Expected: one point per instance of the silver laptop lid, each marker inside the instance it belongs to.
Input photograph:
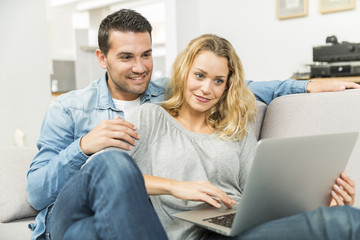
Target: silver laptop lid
(292, 175)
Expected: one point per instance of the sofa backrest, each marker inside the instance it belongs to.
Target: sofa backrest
(317, 113)
(261, 111)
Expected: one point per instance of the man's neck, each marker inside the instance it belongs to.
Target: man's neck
(119, 94)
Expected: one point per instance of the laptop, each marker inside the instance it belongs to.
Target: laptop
(288, 176)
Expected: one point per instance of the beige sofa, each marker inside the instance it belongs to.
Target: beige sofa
(292, 115)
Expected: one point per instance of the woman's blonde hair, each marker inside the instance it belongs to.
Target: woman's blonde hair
(236, 107)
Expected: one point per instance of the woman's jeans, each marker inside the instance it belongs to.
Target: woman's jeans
(107, 199)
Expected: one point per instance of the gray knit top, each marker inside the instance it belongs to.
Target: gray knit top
(166, 149)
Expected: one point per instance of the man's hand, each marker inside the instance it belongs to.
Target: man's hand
(330, 86)
(109, 133)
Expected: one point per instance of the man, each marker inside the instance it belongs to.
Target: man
(85, 121)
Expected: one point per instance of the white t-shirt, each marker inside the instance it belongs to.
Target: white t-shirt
(127, 106)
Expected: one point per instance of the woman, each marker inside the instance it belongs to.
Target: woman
(199, 134)
(193, 150)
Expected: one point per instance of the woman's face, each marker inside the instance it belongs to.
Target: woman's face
(206, 81)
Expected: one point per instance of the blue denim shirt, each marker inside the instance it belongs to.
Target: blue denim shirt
(266, 91)
(75, 114)
(70, 117)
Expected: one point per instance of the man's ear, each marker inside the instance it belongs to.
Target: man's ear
(101, 58)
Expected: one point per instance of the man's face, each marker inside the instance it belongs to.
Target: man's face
(129, 64)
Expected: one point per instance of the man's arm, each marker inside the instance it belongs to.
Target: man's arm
(266, 91)
(330, 86)
(59, 158)
(61, 155)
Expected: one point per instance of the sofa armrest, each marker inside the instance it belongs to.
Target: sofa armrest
(14, 164)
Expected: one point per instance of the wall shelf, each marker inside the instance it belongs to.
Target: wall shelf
(88, 48)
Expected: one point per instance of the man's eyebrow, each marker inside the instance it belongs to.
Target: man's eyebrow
(148, 51)
(130, 53)
(124, 53)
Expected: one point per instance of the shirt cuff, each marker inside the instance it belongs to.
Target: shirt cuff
(77, 158)
(300, 86)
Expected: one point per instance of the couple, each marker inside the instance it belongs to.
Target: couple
(206, 117)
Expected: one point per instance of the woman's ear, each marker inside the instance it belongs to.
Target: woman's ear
(101, 58)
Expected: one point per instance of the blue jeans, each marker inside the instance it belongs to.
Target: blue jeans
(324, 223)
(107, 199)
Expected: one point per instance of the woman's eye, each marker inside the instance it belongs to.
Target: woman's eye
(219, 81)
(199, 75)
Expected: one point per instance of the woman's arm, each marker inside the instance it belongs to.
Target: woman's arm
(343, 192)
(194, 191)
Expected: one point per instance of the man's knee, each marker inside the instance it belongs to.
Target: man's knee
(114, 163)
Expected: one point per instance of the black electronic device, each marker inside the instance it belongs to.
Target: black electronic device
(336, 52)
(334, 70)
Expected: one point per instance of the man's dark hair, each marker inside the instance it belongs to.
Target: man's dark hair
(124, 20)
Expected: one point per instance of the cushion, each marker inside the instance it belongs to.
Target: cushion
(14, 164)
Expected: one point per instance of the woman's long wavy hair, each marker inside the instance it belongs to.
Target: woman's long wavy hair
(236, 107)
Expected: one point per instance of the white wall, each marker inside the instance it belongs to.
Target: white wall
(269, 48)
(24, 74)
(61, 33)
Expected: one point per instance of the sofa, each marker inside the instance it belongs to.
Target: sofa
(286, 116)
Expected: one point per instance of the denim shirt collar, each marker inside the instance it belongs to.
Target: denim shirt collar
(105, 101)
(151, 92)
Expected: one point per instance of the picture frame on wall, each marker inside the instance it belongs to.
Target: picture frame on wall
(286, 9)
(329, 6)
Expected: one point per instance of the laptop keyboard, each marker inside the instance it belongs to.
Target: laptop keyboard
(223, 220)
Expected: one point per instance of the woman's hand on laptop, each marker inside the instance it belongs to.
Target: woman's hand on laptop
(201, 191)
(343, 192)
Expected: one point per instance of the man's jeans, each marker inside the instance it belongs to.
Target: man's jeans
(107, 199)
